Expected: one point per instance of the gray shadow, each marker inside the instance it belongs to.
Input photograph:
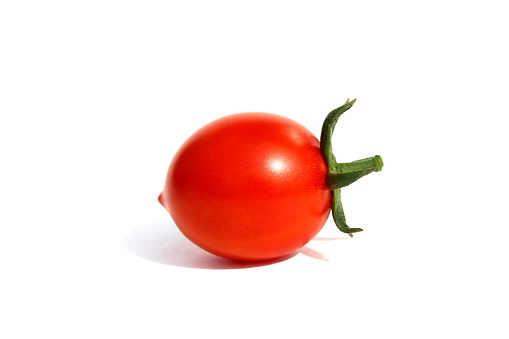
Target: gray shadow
(163, 243)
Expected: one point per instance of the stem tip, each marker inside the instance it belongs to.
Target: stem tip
(379, 163)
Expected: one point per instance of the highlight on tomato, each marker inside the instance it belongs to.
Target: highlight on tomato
(258, 186)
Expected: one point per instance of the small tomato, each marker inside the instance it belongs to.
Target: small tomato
(257, 186)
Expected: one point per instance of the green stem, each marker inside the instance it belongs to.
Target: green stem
(352, 171)
(343, 174)
(373, 163)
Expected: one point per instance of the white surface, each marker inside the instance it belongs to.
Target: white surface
(96, 96)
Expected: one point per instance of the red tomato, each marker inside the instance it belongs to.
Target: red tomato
(249, 186)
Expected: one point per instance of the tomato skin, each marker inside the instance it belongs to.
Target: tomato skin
(249, 186)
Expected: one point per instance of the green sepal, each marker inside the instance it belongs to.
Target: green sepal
(343, 174)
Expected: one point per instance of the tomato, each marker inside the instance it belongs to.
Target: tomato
(249, 186)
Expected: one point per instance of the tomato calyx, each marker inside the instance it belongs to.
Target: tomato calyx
(343, 174)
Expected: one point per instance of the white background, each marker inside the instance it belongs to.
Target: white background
(96, 96)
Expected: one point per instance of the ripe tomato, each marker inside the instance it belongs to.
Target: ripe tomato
(249, 186)
(257, 186)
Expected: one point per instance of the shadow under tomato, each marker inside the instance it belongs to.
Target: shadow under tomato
(163, 243)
